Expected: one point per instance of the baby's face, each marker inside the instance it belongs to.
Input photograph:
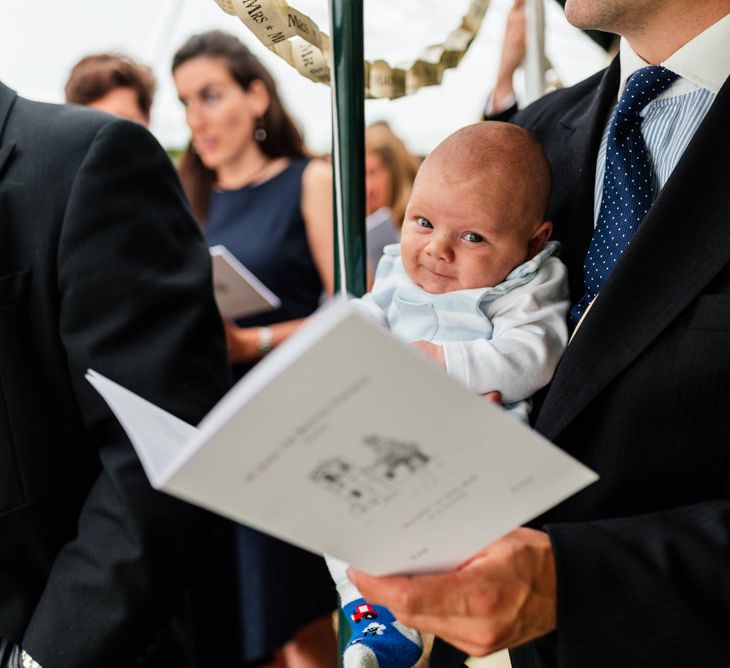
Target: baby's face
(458, 236)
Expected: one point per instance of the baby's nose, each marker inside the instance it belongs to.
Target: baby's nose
(440, 247)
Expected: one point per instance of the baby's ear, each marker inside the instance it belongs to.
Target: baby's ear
(538, 239)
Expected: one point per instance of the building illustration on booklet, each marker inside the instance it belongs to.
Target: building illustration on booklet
(364, 487)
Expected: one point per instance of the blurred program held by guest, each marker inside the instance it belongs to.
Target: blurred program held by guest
(255, 190)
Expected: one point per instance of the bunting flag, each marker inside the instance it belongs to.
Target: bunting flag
(298, 40)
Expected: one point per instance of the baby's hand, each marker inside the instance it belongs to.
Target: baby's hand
(432, 350)
(495, 396)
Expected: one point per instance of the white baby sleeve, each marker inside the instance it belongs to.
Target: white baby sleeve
(529, 336)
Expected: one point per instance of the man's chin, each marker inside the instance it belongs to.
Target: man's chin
(579, 14)
(605, 15)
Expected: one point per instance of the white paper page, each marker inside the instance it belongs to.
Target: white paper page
(303, 449)
(237, 291)
(156, 435)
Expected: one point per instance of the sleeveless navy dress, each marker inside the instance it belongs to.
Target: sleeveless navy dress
(278, 587)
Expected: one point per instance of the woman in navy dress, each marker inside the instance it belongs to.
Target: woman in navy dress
(254, 189)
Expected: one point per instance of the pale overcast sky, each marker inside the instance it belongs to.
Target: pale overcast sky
(41, 39)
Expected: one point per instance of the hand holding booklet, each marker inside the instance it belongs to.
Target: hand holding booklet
(345, 440)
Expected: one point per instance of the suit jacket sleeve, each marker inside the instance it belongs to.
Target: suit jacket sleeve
(647, 590)
(135, 300)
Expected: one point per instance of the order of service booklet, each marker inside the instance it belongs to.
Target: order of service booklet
(237, 291)
(346, 441)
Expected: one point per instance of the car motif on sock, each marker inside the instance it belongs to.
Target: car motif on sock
(363, 611)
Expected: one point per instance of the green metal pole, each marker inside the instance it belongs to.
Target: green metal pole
(348, 165)
(348, 150)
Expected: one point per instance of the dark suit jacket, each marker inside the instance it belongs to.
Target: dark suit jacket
(101, 266)
(641, 396)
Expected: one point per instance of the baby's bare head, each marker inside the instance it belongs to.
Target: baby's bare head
(477, 209)
(502, 164)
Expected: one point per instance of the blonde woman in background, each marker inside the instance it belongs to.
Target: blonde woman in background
(389, 173)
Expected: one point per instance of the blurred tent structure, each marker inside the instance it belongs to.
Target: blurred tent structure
(39, 42)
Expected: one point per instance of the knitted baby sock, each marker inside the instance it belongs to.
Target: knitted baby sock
(378, 639)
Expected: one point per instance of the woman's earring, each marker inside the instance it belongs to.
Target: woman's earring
(259, 133)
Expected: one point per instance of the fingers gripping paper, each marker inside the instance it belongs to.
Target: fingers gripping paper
(294, 37)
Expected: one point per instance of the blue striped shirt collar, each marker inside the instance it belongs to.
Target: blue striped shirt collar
(704, 62)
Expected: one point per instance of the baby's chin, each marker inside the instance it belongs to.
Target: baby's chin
(437, 285)
(437, 290)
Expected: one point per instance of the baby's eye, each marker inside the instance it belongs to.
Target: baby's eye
(472, 237)
(424, 222)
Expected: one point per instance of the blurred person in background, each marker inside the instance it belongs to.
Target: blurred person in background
(502, 101)
(389, 173)
(114, 83)
(255, 190)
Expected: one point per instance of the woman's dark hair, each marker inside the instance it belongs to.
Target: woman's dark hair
(283, 139)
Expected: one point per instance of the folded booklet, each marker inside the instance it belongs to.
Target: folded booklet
(237, 291)
(345, 440)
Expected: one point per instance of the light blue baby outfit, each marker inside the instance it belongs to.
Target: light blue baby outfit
(507, 338)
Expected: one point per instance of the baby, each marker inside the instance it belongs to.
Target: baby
(476, 285)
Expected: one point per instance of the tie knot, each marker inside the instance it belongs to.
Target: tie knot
(643, 86)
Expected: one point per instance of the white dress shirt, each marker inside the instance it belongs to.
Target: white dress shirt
(670, 121)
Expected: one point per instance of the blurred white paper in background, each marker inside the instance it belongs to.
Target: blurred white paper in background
(238, 292)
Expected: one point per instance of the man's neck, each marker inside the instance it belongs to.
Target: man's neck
(672, 27)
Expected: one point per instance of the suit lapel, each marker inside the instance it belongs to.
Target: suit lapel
(573, 162)
(681, 245)
(6, 150)
(7, 99)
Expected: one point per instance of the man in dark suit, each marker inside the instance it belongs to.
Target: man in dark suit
(634, 570)
(101, 266)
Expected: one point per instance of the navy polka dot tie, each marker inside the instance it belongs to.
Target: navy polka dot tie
(628, 182)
